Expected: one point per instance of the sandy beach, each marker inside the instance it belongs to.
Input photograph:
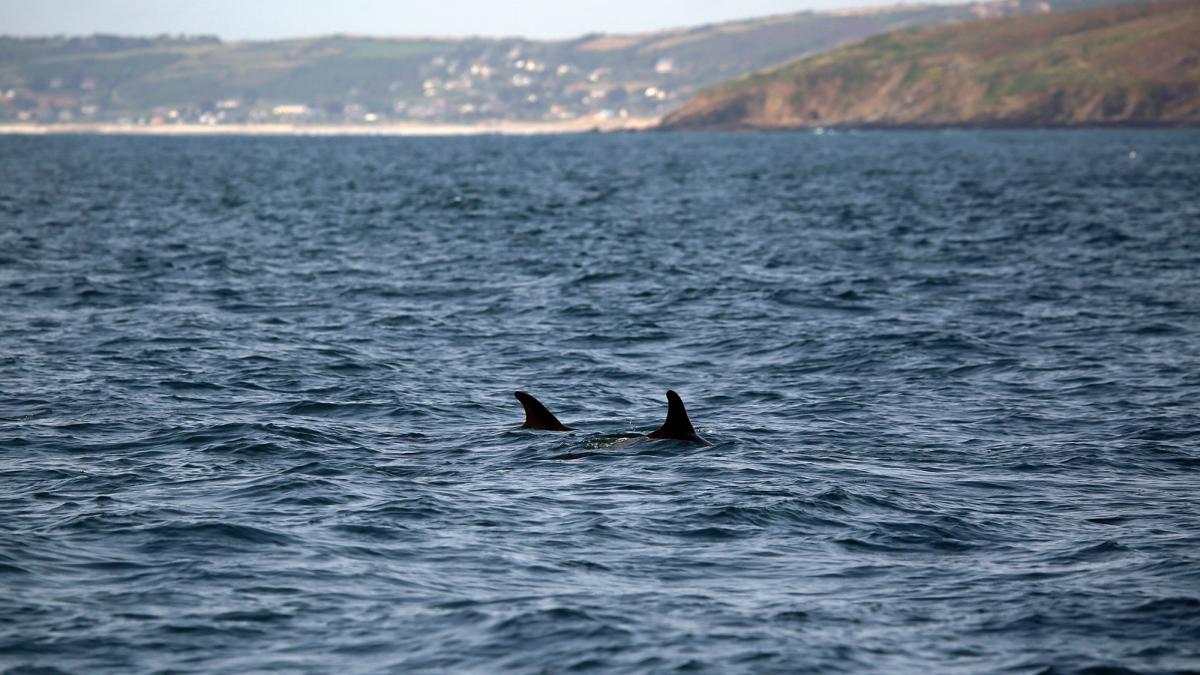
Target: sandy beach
(505, 127)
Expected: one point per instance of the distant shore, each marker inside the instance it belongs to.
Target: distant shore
(512, 128)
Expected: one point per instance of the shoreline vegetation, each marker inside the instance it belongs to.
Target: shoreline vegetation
(505, 128)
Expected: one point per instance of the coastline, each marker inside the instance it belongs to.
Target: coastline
(499, 127)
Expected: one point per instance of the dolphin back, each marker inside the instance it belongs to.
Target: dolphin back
(677, 427)
(537, 416)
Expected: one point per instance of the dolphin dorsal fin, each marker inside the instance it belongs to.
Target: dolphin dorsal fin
(537, 416)
(678, 426)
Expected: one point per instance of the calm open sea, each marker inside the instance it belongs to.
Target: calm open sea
(256, 404)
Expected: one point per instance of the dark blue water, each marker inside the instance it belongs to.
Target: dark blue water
(256, 408)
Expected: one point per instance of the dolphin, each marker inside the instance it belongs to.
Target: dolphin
(537, 416)
(677, 427)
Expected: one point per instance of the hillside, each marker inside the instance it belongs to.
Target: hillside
(341, 79)
(1129, 64)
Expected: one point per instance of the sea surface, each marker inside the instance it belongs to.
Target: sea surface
(256, 406)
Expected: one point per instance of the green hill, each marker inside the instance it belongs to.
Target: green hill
(1129, 64)
(340, 78)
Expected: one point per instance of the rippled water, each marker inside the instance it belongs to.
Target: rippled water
(256, 403)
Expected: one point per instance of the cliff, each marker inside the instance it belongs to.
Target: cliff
(1129, 64)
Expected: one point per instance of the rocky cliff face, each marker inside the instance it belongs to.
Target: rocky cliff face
(1129, 64)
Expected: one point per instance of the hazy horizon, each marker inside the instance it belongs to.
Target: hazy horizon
(280, 19)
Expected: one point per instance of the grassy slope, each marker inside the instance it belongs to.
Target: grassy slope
(1137, 64)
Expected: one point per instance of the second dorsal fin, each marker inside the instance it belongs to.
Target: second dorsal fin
(677, 427)
(537, 416)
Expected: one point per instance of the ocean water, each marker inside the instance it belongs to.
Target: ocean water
(256, 406)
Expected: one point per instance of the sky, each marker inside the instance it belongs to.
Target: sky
(270, 19)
